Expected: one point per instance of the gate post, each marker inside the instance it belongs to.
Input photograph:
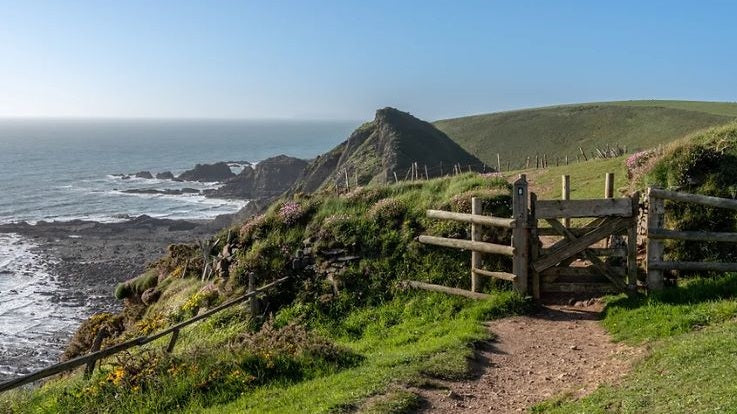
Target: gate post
(520, 234)
(475, 256)
(655, 220)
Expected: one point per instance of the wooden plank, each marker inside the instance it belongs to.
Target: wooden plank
(468, 245)
(708, 236)
(499, 275)
(475, 236)
(445, 289)
(534, 246)
(655, 247)
(520, 234)
(632, 244)
(553, 273)
(620, 207)
(577, 231)
(695, 266)
(595, 261)
(599, 251)
(472, 218)
(578, 288)
(609, 226)
(566, 195)
(693, 198)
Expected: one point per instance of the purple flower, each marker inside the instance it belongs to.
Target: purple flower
(290, 213)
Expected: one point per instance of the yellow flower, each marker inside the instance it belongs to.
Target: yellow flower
(116, 377)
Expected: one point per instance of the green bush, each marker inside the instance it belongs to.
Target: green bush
(706, 164)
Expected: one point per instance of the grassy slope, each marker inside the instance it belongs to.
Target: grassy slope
(399, 339)
(559, 131)
(406, 341)
(587, 178)
(691, 331)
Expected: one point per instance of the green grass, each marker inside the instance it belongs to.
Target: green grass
(691, 332)
(403, 341)
(587, 179)
(413, 337)
(560, 130)
(716, 108)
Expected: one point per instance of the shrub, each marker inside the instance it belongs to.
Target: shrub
(290, 213)
(387, 210)
(204, 298)
(83, 339)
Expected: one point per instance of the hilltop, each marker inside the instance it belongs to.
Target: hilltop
(559, 131)
(387, 146)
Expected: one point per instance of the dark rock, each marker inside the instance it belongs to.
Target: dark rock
(144, 174)
(150, 295)
(166, 175)
(207, 173)
(269, 178)
(164, 192)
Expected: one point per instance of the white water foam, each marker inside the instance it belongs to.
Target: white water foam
(33, 325)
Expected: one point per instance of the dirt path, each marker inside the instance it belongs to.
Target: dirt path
(561, 349)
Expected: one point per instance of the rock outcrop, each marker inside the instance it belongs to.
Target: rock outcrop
(144, 174)
(166, 175)
(269, 178)
(208, 173)
(390, 144)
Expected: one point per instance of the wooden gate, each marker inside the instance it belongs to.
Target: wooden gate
(597, 256)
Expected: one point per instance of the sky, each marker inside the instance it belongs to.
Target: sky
(343, 59)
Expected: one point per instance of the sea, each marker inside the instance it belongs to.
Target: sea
(67, 169)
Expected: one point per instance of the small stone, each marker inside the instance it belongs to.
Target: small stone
(575, 347)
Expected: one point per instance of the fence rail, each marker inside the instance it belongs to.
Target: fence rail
(93, 357)
(656, 234)
(473, 218)
(475, 246)
(518, 250)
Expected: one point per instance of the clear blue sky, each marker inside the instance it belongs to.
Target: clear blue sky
(344, 59)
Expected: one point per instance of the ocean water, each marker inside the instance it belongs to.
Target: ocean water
(63, 170)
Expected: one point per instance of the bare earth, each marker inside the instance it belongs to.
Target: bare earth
(559, 350)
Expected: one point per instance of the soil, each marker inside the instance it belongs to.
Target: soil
(560, 350)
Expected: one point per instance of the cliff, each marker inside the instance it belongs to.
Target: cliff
(386, 146)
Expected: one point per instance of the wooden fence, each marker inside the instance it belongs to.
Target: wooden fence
(518, 249)
(551, 268)
(656, 233)
(90, 359)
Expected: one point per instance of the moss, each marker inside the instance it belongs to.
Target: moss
(137, 285)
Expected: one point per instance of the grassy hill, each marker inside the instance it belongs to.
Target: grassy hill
(336, 338)
(560, 130)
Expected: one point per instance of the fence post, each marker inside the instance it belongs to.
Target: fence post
(655, 220)
(632, 243)
(609, 186)
(475, 256)
(520, 234)
(172, 341)
(96, 343)
(253, 300)
(566, 195)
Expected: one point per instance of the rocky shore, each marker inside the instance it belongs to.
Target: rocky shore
(84, 261)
